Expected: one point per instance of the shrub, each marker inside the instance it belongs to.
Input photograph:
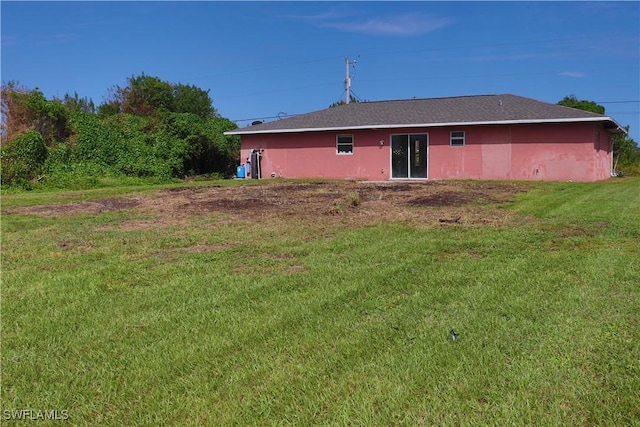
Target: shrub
(13, 172)
(22, 159)
(30, 148)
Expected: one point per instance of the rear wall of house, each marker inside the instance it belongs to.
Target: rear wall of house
(552, 152)
(314, 155)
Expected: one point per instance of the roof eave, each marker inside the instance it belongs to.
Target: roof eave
(421, 125)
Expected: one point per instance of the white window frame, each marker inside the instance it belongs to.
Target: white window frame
(457, 140)
(338, 144)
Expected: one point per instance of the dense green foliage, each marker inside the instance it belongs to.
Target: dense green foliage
(24, 110)
(22, 160)
(149, 129)
(573, 102)
(352, 99)
(626, 154)
(147, 96)
(76, 103)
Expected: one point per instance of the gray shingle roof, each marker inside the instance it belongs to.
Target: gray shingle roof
(463, 110)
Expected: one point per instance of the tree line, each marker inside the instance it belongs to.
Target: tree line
(148, 129)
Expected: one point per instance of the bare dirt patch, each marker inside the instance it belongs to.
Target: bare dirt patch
(75, 208)
(433, 203)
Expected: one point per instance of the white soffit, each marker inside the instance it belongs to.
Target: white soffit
(420, 125)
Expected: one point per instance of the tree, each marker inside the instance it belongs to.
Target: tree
(573, 102)
(191, 99)
(24, 110)
(352, 99)
(208, 149)
(108, 109)
(143, 96)
(149, 96)
(75, 103)
(625, 150)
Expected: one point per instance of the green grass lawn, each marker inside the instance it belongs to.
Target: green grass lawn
(218, 322)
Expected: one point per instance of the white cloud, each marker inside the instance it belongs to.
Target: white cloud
(574, 74)
(60, 38)
(8, 40)
(410, 24)
(400, 25)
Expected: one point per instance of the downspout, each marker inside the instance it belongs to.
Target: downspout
(614, 163)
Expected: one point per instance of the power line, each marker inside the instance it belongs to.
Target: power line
(279, 116)
(379, 53)
(280, 90)
(448, 76)
(616, 102)
(484, 46)
(250, 70)
(355, 95)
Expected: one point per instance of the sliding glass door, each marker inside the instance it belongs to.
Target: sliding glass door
(409, 156)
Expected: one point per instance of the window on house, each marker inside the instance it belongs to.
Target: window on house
(344, 144)
(457, 139)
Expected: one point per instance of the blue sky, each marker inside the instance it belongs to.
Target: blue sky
(267, 59)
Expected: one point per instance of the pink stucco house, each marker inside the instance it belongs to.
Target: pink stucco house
(501, 137)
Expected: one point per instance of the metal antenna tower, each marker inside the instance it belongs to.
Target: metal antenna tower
(347, 80)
